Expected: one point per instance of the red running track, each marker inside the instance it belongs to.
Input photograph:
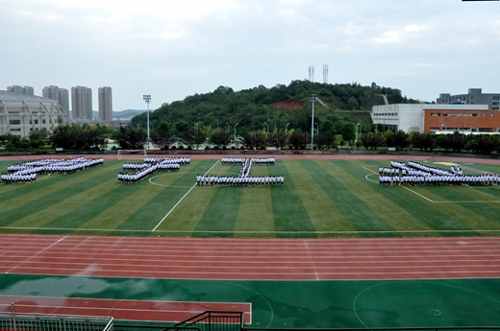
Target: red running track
(254, 259)
(167, 311)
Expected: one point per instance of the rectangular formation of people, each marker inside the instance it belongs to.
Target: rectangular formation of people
(132, 172)
(416, 173)
(27, 172)
(244, 178)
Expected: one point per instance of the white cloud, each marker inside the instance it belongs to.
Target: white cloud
(401, 34)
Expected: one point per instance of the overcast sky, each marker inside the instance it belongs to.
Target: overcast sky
(176, 48)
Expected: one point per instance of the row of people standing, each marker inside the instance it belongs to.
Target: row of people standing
(239, 181)
(480, 180)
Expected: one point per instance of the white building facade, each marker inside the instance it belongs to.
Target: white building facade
(22, 114)
(410, 117)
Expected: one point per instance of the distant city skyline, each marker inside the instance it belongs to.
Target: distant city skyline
(422, 47)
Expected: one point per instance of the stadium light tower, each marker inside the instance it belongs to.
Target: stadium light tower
(147, 100)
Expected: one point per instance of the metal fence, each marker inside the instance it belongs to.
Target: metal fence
(212, 321)
(36, 322)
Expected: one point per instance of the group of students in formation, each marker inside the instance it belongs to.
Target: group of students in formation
(244, 178)
(28, 171)
(415, 173)
(235, 160)
(239, 181)
(149, 166)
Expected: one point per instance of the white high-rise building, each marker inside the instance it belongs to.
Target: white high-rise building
(81, 103)
(58, 94)
(105, 104)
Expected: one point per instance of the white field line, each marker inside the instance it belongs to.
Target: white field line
(420, 195)
(40, 252)
(406, 188)
(247, 232)
(164, 185)
(180, 200)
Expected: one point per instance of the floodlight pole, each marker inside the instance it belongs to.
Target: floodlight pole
(147, 100)
(313, 102)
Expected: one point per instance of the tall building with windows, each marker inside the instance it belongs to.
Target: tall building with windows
(81, 103)
(58, 94)
(474, 96)
(22, 90)
(105, 104)
(21, 114)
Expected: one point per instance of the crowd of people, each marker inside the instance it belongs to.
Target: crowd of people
(244, 178)
(235, 160)
(238, 180)
(416, 173)
(29, 171)
(148, 167)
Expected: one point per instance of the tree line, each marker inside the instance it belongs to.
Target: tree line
(95, 137)
(429, 142)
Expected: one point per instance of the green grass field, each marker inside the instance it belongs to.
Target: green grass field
(319, 199)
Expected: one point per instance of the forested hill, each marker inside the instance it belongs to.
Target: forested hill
(271, 109)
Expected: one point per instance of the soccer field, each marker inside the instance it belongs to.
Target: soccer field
(319, 199)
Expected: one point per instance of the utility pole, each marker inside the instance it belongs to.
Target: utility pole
(313, 103)
(147, 100)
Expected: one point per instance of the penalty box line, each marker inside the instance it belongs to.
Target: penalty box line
(406, 188)
(180, 200)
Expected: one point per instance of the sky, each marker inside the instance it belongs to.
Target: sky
(172, 49)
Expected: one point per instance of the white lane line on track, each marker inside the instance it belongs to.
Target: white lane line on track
(40, 252)
(282, 274)
(491, 275)
(180, 200)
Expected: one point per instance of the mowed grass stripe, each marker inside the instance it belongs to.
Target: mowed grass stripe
(191, 210)
(347, 202)
(4, 165)
(466, 215)
(288, 208)
(74, 184)
(65, 213)
(222, 212)
(16, 194)
(256, 208)
(5, 188)
(323, 213)
(436, 216)
(150, 212)
(107, 196)
(388, 210)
